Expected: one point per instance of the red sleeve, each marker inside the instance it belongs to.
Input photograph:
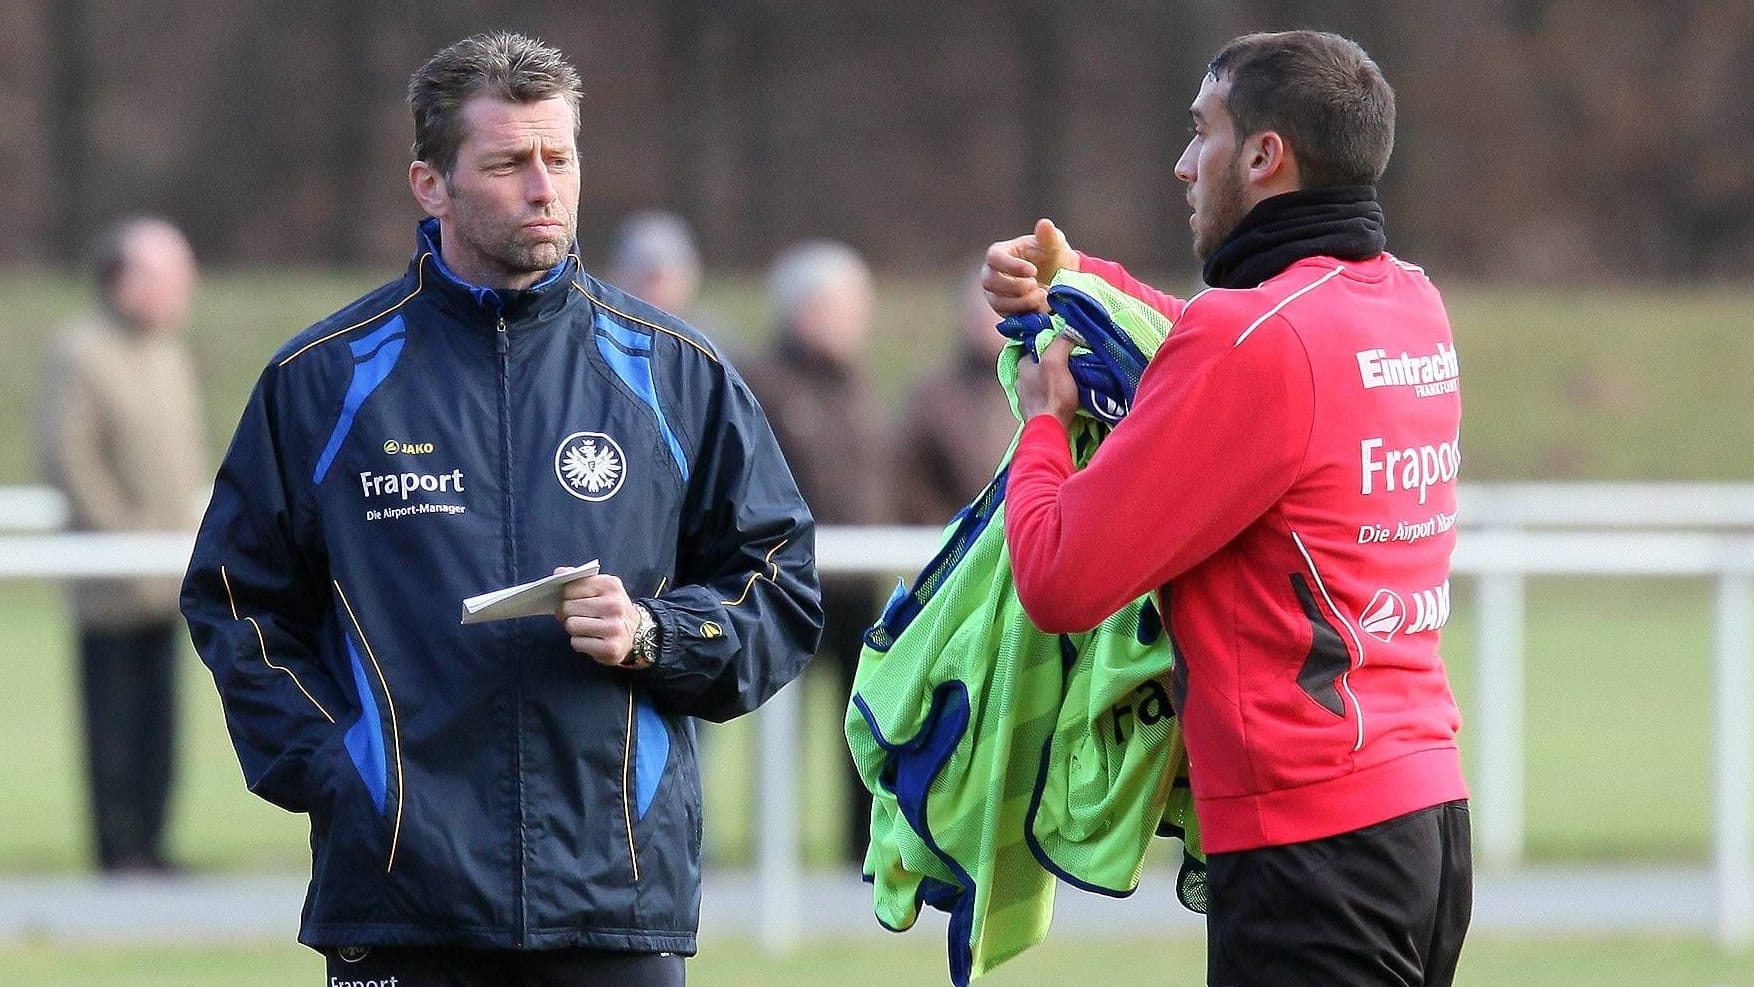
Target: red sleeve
(1217, 434)
(1117, 275)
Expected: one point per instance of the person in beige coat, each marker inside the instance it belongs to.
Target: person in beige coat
(121, 435)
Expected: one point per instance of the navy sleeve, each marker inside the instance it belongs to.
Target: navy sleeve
(255, 600)
(745, 614)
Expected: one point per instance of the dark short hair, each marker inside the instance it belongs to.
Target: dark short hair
(499, 63)
(1319, 91)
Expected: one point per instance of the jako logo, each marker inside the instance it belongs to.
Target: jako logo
(392, 447)
(1387, 612)
(1430, 609)
(590, 466)
(1384, 616)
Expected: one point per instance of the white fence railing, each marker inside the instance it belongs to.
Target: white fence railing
(1510, 532)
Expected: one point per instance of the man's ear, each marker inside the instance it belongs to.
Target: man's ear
(1271, 164)
(430, 189)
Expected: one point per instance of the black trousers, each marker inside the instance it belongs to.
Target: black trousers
(1383, 906)
(434, 966)
(128, 684)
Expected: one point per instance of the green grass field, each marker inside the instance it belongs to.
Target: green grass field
(1486, 962)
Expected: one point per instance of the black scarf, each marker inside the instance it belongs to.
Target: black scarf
(1344, 222)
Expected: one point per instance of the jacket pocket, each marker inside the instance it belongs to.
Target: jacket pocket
(1328, 660)
(373, 741)
(645, 759)
(365, 738)
(651, 755)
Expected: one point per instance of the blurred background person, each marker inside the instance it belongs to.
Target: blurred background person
(655, 257)
(958, 421)
(820, 398)
(121, 435)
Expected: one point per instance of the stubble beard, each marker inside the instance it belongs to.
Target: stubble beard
(508, 246)
(1221, 216)
(521, 252)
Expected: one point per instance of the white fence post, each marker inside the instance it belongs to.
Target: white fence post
(1499, 712)
(779, 852)
(1732, 695)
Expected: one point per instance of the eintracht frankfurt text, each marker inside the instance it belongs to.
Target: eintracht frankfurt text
(1427, 375)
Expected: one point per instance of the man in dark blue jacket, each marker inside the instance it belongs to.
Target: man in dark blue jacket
(514, 801)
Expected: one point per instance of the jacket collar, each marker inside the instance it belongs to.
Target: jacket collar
(1345, 223)
(514, 305)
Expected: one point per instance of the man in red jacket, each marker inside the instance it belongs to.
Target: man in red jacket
(1286, 483)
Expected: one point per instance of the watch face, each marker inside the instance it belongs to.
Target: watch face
(645, 638)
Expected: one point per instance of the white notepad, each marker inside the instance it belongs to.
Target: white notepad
(539, 596)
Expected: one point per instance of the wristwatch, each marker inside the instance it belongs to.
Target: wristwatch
(645, 641)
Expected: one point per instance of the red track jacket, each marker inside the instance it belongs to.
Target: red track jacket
(1286, 480)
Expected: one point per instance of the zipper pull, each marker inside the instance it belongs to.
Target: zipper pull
(501, 342)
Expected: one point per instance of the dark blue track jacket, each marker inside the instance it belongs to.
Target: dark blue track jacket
(484, 785)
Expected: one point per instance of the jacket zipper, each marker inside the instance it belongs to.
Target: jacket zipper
(502, 347)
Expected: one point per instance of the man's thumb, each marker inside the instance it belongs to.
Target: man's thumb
(1053, 242)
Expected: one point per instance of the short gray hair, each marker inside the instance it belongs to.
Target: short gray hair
(806, 269)
(499, 63)
(654, 241)
(112, 250)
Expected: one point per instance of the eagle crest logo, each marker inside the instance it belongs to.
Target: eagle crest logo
(590, 466)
